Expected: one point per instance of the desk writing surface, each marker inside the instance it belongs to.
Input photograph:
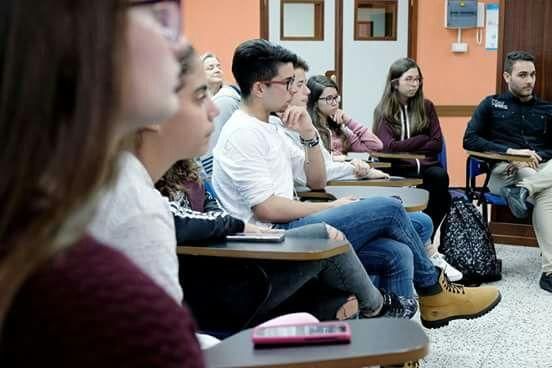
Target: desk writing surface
(413, 199)
(500, 156)
(391, 182)
(364, 156)
(291, 249)
(398, 155)
(374, 342)
(379, 165)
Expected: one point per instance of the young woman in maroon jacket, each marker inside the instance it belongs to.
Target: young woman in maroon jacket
(406, 122)
(73, 80)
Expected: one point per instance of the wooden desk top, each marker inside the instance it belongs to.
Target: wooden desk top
(499, 156)
(374, 341)
(291, 249)
(397, 155)
(391, 182)
(316, 195)
(379, 165)
(413, 199)
(365, 156)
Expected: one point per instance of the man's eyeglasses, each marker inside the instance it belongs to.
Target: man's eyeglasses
(288, 82)
(331, 100)
(166, 12)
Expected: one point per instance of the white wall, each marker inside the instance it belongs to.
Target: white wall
(365, 64)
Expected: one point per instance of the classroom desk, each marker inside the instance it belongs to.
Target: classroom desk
(379, 165)
(391, 182)
(374, 342)
(291, 249)
(366, 158)
(499, 156)
(413, 199)
(397, 155)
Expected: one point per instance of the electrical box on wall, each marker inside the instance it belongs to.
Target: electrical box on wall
(461, 14)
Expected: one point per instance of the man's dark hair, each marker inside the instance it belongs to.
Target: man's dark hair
(258, 60)
(514, 56)
(301, 64)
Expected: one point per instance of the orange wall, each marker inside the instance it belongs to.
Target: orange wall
(452, 79)
(219, 26)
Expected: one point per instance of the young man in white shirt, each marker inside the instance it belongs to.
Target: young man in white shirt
(254, 167)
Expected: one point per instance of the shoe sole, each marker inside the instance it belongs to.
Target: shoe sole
(444, 322)
(455, 279)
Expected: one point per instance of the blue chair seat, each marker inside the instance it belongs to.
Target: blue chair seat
(494, 199)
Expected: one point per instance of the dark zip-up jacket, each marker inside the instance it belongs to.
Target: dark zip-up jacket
(428, 143)
(503, 121)
(198, 216)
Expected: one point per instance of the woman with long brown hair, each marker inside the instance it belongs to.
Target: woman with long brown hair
(407, 122)
(67, 300)
(340, 134)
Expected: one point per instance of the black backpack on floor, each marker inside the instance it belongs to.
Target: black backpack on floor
(468, 245)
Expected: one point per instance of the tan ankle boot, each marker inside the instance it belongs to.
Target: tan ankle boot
(455, 301)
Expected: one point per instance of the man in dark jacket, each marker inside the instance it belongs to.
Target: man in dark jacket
(517, 122)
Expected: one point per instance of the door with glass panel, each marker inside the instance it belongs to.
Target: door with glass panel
(371, 34)
(375, 34)
(306, 27)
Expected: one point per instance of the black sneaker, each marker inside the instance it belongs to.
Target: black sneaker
(546, 281)
(393, 307)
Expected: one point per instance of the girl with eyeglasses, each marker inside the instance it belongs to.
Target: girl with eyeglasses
(340, 134)
(407, 122)
(75, 76)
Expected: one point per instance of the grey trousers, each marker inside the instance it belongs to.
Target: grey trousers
(342, 272)
(539, 184)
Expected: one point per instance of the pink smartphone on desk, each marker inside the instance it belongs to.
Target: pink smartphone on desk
(302, 334)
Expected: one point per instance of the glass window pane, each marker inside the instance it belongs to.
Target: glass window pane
(299, 20)
(376, 16)
(375, 20)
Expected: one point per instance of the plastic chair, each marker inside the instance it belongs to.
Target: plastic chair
(209, 188)
(474, 168)
(442, 158)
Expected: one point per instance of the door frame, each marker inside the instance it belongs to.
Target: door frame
(338, 61)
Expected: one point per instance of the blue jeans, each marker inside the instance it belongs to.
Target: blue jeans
(372, 222)
(390, 263)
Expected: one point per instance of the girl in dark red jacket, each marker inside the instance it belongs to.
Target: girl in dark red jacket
(406, 122)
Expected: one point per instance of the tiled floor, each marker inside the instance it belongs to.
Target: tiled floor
(517, 333)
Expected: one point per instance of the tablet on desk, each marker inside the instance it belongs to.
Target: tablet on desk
(270, 237)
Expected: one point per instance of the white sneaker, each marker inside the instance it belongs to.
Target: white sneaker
(452, 273)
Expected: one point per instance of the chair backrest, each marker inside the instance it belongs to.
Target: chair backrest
(209, 188)
(442, 156)
(474, 168)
